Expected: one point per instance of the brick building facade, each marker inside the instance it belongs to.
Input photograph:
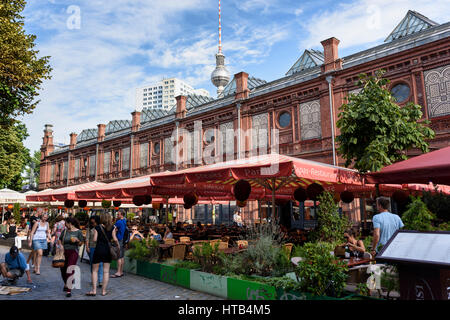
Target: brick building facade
(416, 57)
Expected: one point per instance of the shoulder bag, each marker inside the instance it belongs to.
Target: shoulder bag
(59, 259)
(113, 248)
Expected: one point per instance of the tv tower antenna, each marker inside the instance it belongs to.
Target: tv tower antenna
(220, 76)
(220, 31)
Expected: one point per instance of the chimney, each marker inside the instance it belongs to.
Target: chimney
(181, 107)
(101, 132)
(331, 56)
(47, 144)
(73, 140)
(136, 121)
(242, 90)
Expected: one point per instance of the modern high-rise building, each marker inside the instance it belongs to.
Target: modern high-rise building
(161, 95)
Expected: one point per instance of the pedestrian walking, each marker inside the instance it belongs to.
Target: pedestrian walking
(121, 225)
(103, 235)
(70, 240)
(32, 256)
(40, 235)
(58, 228)
(94, 221)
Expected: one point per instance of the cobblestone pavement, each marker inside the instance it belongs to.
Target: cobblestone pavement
(49, 286)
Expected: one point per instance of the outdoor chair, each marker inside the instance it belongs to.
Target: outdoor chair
(288, 248)
(243, 243)
(169, 241)
(213, 242)
(185, 239)
(179, 251)
(223, 245)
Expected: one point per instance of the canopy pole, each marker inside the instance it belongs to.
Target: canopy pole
(167, 210)
(273, 199)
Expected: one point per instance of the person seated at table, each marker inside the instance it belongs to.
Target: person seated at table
(168, 233)
(179, 227)
(15, 266)
(352, 243)
(135, 234)
(154, 235)
(12, 229)
(4, 229)
(199, 226)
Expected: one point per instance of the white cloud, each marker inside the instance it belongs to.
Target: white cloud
(298, 11)
(95, 72)
(366, 21)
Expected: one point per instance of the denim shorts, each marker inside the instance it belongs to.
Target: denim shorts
(40, 244)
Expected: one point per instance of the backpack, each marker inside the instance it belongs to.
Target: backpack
(126, 236)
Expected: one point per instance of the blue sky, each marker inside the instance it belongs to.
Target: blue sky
(124, 44)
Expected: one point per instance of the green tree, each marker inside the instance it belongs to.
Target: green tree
(330, 225)
(36, 161)
(21, 70)
(13, 155)
(438, 203)
(418, 217)
(16, 212)
(375, 130)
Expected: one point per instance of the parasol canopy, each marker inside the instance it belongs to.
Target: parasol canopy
(429, 167)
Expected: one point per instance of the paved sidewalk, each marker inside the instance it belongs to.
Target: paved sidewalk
(49, 286)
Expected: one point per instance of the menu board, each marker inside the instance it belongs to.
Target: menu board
(421, 247)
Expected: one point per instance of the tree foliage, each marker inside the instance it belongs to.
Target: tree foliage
(319, 272)
(21, 70)
(418, 217)
(13, 155)
(438, 203)
(330, 225)
(36, 160)
(375, 130)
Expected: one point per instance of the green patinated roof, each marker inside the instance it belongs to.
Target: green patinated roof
(149, 114)
(117, 125)
(87, 134)
(309, 59)
(413, 22)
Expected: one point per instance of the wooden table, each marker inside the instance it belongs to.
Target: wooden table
(164, 247)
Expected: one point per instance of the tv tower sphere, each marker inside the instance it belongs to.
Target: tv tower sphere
(220, 76)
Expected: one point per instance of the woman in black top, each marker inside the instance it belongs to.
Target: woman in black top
(104, 234)
(12, 229)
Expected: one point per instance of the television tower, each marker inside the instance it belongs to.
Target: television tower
(220, 76)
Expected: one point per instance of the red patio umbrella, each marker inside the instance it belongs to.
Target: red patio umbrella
(272, 171)
(429, 167)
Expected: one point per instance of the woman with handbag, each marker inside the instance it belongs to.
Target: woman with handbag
(70, 240)
(105, 251)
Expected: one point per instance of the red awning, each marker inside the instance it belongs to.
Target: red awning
(272, 166)
(429, 167)
(66, 193)
(117, 190)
